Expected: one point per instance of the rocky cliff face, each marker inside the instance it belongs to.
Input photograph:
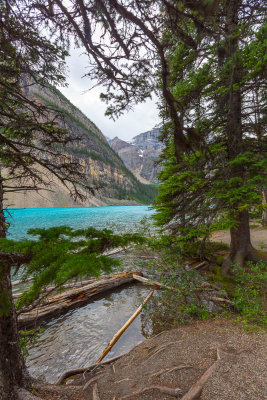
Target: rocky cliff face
(103, 166)
(149, 139)
(142, 154)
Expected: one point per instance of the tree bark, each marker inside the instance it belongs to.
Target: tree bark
(13, 372)
(264, 203)
(240, 247)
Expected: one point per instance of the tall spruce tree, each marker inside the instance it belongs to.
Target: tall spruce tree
(225, 40)
(29, 134)
(219, 181)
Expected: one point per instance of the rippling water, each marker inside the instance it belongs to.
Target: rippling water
(78, 338)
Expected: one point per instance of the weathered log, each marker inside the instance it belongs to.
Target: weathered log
(156, 285)
(124, 327)
(199, 266)
(72, 298)
(71, 285)
(21, 282)
(219, 300)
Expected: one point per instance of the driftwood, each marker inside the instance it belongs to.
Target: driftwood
(124, 327)
(196, 389)
(71, 285)
(199, 266)
(21, 282)
(156, 285)
(72, 298)
(219, 300)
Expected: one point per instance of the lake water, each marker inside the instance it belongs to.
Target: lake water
(78, 338)
(120, 219)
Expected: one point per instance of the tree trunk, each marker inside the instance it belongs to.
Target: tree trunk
(264, 203)
(241, 249)
(13, 372)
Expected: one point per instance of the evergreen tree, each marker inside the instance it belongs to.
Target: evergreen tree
(219, 181)
(55, 255)
(29, 133)
(222, 40)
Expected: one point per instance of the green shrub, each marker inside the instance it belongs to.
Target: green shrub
(249, 294)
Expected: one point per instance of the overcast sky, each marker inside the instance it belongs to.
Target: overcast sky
(141, 119)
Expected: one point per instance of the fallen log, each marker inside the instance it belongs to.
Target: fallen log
(156, 285)
(198, 266)
(67, 286)
(61, 303)
(21, 282)
(219, 300)
(124, 327)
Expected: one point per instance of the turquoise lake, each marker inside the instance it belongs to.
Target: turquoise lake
(77, 338)
(120, 218)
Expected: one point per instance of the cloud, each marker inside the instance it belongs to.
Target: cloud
(141, 119)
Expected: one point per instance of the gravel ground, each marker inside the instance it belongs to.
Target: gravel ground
(258, 238)
(189, 351)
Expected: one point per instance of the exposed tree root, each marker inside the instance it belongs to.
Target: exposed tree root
(77, 371)
(192, 394)
(160, 349)
(196, 389)
(240, 258)
(95, 393)
(23, 394)
(166, 371)
(163, 389)
(69, 390)
(89, 383)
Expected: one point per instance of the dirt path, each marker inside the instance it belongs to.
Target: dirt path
(178, 358)
(258, 238)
